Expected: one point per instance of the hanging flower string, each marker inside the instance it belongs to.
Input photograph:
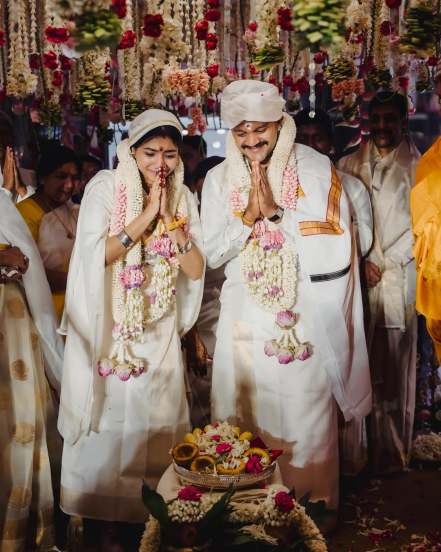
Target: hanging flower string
(269, 267)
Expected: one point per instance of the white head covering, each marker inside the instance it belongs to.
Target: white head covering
(150, 119)
(250, 100)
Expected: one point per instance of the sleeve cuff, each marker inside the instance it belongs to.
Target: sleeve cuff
(238, 233)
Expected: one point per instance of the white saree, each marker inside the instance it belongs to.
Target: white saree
(29, 441)
(292, 406)
(392, 327)
(117, 433)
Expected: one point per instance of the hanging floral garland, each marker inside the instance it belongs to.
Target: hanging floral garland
(93, 87)
(266, 48)
(319, 23)
(20, 81)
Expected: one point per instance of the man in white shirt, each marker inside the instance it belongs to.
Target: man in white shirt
(386, 164)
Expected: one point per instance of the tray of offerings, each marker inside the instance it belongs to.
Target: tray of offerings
(221, 455)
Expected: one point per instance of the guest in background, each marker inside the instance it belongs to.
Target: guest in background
(193, 151)
(58, 174)
(89, 167)
(15, 181)
(30, 363)
(386, 164)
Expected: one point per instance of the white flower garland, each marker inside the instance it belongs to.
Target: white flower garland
(258, 515)
(268, 262)
(154, 262)
(20, 82)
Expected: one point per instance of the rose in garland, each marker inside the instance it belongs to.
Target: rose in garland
(153, 24)
(56, 35)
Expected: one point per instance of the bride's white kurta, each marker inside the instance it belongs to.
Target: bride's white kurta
(291, 406)
(117, 433)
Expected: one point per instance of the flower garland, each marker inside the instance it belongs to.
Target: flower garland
(262, 518)
(266, 50)
(188, 82)
(20, 82)
(268, 262)
(427, 447)
(93, 86)
(156, 273)
(160, 46)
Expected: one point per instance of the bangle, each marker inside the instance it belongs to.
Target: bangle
(176, 224)
(182, 250)
(247, 222)
(125, 239)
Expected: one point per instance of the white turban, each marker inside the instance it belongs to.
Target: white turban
(250, 100)
(148, 120)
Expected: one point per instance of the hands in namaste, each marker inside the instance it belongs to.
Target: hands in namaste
(12, 180)
(157, 200)
(260, 201)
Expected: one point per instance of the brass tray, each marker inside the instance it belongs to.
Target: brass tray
(223, 482)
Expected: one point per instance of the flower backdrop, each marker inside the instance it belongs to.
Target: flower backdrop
(113, 58)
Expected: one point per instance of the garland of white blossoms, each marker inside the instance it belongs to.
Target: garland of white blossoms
(20, 82)
(256, 517)
(155, 261)
(268, 262)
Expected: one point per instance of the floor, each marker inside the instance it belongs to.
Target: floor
(400, 513)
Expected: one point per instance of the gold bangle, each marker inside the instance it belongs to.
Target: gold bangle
(238, 214)
(247, 222)
(176, 224)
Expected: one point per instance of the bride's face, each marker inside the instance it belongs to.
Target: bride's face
(153, 154)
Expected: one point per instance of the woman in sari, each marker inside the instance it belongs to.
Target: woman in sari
(30, 360)
(57, 174)
(134, 287)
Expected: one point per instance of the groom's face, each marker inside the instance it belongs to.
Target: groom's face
(256, 140)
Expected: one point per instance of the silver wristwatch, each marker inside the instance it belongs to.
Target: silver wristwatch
(278, 215)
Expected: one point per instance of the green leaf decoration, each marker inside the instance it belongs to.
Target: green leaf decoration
(212, 517)
(305, 499)
(156, 505)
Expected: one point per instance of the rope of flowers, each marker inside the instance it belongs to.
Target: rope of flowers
(270, 517)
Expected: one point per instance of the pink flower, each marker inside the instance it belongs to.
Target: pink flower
(132, 276)
(124, 372)
(272, 239)
(271, 348)
(105, 367)
(223, 448)
(303, 352)
(274, 291)
(162, 246)
(254, 464)
(286, 319)
(216, 438)
(284, 502)
(190, 493)
(285, 357)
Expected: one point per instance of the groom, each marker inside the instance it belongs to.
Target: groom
(290, 339)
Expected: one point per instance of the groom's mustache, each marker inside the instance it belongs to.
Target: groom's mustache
(260, 144)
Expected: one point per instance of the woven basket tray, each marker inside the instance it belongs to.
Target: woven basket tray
(210, 481)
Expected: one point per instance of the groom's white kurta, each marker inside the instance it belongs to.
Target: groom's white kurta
(117, 433)
(292, 406)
